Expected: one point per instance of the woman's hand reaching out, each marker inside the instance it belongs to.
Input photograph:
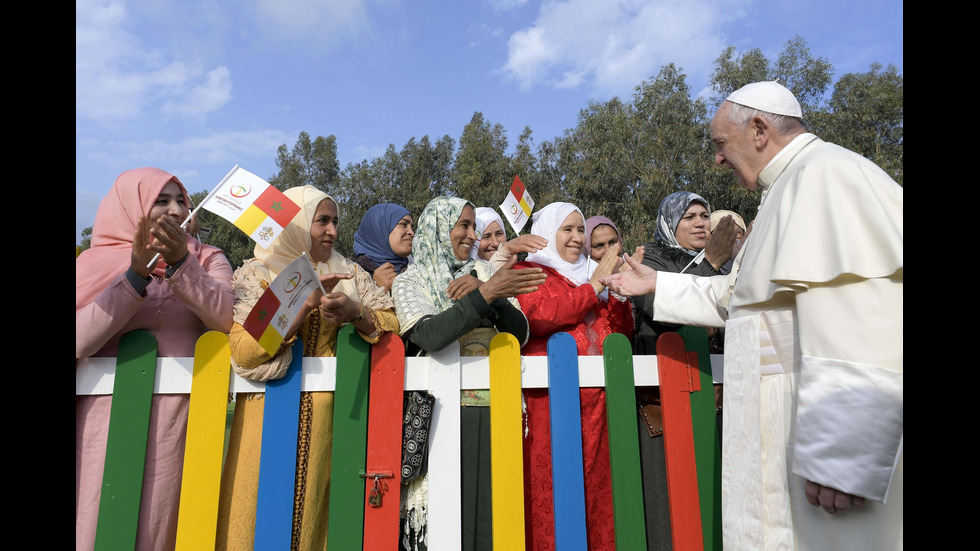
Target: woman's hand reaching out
(508, 282)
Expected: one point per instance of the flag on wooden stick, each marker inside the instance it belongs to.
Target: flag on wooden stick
(252, 204)
(518, 205)
(273, 314)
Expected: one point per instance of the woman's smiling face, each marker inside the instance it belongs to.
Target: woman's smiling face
(490, 240)
(570, 239)
(463, 233)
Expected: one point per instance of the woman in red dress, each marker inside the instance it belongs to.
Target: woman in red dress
(574, 301)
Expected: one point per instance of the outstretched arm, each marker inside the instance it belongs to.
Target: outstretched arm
(640, 279)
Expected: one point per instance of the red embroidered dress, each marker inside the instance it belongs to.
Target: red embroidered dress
(560, 305)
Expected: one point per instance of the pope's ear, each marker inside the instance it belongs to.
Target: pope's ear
(761, 131)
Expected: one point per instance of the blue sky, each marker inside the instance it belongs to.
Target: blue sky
(197, 87)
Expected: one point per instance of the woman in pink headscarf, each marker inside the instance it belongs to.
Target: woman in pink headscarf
(186, 293)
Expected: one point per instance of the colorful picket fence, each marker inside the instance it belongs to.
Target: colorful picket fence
(361, 377)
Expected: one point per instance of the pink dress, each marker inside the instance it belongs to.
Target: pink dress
(177, 328)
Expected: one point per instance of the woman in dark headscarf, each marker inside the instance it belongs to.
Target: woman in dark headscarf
(383, 242)
(682, 245)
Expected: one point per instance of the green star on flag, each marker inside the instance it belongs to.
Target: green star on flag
(277, 206)
(281, 303)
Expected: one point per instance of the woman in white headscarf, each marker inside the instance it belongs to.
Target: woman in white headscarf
(490, 233)
(572, 300)
(353, 298)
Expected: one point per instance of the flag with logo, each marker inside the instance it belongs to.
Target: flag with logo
(273, 314)
(518, 205)
(252, 204)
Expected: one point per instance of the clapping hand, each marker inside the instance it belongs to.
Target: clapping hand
(721, 242)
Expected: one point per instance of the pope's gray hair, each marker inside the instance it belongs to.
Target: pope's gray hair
(741, 115)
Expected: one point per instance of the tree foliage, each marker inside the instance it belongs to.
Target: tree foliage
(482, 171)
(310, 163)
(620, 160)
(410, 177)
(866, 115)
(86, 239)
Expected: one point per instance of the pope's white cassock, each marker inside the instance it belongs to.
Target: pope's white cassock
(813, 353)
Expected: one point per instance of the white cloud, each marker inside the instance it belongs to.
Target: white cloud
(613, 45)
(119, 77)
(312, 24)
(221, 148)
(213, 93)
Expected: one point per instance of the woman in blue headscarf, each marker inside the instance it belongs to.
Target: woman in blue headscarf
(383, 242)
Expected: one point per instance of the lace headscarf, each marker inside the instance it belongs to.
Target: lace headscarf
(669, 214)
(420, 290)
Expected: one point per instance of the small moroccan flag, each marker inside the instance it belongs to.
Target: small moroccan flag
(518, 205)
(250, 203)
(279, 305)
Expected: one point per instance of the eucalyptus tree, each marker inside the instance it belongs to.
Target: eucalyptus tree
(733, 70)
(602, 158)
(808, 77)
(866, 114)
(311, 162)
(410, 177)
(481, 170)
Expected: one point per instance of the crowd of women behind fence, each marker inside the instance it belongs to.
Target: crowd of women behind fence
(454, 277)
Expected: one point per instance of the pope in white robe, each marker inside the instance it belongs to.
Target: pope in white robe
(813, 311)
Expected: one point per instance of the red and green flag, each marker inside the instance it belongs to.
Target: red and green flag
(518, 205)
(273, 314)
(252, 204)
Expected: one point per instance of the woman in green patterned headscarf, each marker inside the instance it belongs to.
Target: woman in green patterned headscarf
(445, 296)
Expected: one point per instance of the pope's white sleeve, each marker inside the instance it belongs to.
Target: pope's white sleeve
(849, 430)
(690, 300)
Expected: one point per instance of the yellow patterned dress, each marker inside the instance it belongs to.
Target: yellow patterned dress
(239, 480)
